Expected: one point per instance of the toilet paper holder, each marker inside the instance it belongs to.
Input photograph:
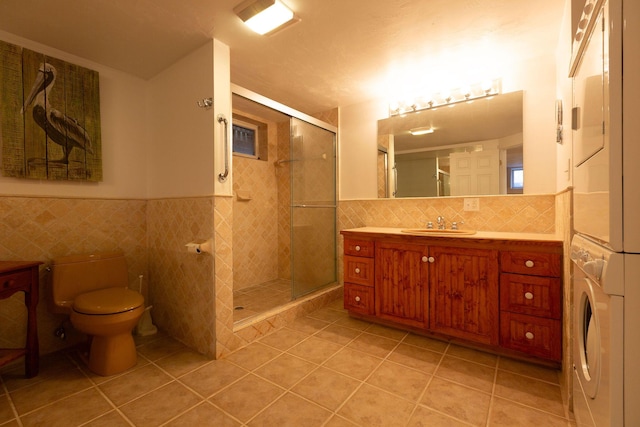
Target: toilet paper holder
(198, 248)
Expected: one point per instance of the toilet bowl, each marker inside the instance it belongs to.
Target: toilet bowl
(92, 290)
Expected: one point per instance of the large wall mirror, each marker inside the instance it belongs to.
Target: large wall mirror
(467, 148)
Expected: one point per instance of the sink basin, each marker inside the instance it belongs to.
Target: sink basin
(436, 232)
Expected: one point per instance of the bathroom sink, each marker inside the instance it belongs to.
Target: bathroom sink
(436, 232)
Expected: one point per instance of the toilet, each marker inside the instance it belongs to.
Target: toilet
(92, 290)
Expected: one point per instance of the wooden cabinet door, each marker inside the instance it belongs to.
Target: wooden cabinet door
(464, 293)
(401, 290)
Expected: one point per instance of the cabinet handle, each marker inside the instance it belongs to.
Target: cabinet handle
(529, 335)
(425, 258)
(357, 299)
(528, 295)
(432, 259)
(357, 271)
(529, 263)
(357, 248)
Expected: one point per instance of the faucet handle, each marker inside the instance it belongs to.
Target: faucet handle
(429, 225)
(454, 225)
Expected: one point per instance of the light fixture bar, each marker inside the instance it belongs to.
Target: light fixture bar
(421, 131)
(265, 16)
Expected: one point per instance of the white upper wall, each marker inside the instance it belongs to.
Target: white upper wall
(537, 78)
(124, 136)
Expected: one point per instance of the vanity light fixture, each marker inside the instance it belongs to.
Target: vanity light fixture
(265, 16)
(464, 94)
(421, 131)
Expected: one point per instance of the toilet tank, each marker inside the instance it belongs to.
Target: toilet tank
(76, 274)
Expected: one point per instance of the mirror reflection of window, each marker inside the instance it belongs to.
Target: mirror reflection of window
(516, 180)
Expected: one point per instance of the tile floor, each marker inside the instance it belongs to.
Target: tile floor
(257, 299)
(324, 369)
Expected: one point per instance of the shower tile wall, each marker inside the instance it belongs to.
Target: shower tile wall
(255, 207)
(43, 228)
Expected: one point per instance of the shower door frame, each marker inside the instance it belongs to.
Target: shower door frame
(292, 113)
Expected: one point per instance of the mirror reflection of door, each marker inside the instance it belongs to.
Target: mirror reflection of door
(383, 158)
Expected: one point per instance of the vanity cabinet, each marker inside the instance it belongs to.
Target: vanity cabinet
(499, 295)
(530, 303)
(401, 292)
(463, 295)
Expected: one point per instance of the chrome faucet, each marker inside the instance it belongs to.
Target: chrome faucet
(441, 223)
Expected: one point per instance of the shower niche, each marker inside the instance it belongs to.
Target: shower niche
(284, 221)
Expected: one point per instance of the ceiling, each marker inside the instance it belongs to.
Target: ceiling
(341, 52)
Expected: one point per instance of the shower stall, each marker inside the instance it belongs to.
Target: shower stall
(284, 207)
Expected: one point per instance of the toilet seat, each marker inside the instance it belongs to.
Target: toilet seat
(107, 301)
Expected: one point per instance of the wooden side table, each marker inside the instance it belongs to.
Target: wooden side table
(16, 276)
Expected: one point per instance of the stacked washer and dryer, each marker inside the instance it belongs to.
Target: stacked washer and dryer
(605, 68)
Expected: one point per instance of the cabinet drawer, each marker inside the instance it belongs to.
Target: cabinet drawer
(535, 336)
(357, 247)
(533, 263)
(15, 281)
(536, 296)
(358, 270)
(359, 298)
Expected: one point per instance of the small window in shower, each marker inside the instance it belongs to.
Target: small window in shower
(245, 139)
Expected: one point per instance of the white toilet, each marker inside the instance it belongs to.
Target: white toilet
(92, 290)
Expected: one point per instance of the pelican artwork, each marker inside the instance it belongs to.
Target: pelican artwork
(59, 128)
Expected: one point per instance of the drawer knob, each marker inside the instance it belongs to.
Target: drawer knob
(357, 299)
(358, 248)
(357, 271)
(529, 263)
(432, 259)
(528, 295)
(529, 335)
(425, 258)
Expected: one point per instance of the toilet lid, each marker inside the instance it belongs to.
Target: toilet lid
(107, 301)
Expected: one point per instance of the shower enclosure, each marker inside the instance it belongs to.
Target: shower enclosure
(284, 227)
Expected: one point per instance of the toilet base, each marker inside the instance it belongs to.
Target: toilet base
(112, 355)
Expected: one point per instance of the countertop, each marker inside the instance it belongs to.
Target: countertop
(493, 235)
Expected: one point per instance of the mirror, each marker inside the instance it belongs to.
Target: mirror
(466, 148)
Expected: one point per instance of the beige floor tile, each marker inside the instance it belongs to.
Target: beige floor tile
(338, 334)
(505, 413)
(182, 362)
(527, 369)
(538, 394)
(472, 355)
(124, 388)
(315, 350)
(283, 339)
(86, 405)
(463, 403)
(246, 397)
(425, 417)
(110, 419)
(308, 325)
(400, 380)
(471, 374)
(291, 410)
(51, 389)
(387, 332)
(338, 421)
(52, 366)
(212, 377)
(353, 363)
(426, 342)
(327, 388)
(373, 344)
(352, 323)
(160, 347)
(328, 314)
(285, 370)
(160, 405)
(204, 414)
(372, 407)
(253, 355)
(416, 358)
(6, 411)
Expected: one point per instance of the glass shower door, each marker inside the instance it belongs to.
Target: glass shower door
(313, 207)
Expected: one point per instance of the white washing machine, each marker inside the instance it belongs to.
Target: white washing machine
(598, 333)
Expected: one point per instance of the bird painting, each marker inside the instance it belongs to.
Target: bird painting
(59, 128)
